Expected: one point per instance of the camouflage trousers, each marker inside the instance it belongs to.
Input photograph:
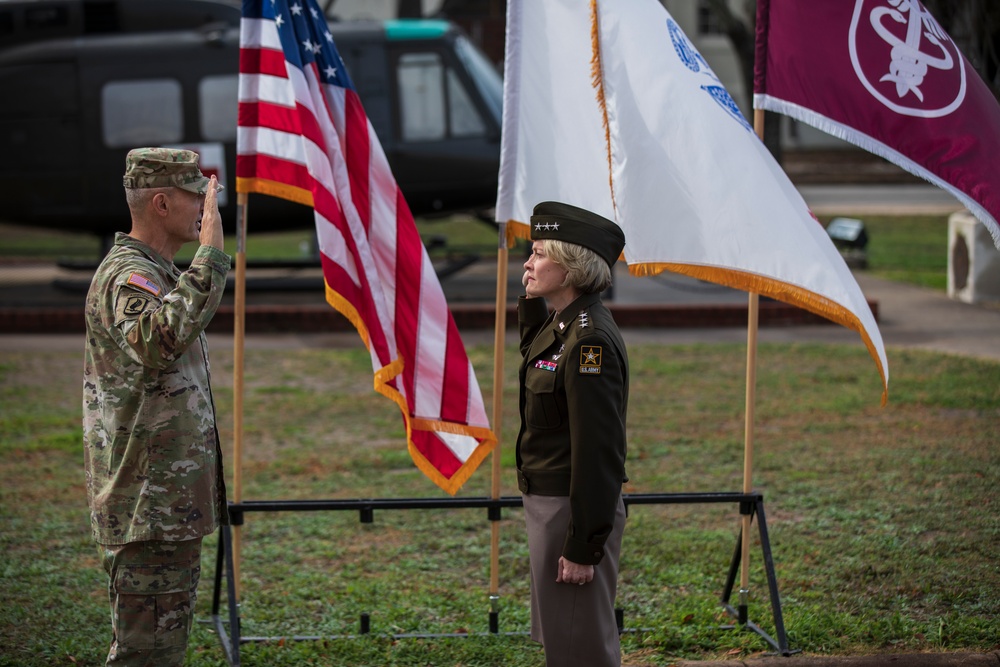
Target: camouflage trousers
(152, 588)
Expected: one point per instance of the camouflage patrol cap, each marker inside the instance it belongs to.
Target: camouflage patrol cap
(563, 222)
(164, 168)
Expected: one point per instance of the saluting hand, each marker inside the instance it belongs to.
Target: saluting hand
(211, 220)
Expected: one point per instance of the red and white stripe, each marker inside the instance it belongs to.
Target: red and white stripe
(311, 142)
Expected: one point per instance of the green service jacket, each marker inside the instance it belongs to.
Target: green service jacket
(151, 447)
(574, 396)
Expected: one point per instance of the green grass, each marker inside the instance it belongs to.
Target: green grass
(35, 244)
(911, 249)
(884, 522)
(460, 233)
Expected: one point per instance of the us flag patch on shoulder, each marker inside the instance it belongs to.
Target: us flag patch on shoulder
(143, 283)
(590, 360)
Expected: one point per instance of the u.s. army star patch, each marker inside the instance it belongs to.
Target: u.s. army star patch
(590, 360)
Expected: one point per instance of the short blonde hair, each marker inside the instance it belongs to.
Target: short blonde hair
(585, 269)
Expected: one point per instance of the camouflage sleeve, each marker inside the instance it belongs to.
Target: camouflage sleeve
(158, 332)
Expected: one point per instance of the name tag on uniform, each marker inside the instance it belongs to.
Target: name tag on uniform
(546, 365)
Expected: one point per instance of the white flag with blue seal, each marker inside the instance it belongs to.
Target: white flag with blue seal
(608, 106)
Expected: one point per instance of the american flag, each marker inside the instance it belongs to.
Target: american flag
(304, 136)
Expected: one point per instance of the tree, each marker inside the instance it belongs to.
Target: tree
(740, 28)
(974, 25)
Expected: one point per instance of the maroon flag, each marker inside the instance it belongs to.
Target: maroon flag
(884, 75)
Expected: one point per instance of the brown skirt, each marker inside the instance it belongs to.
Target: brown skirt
(575, 624)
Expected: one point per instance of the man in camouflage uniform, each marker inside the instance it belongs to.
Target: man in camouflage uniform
(152, 456)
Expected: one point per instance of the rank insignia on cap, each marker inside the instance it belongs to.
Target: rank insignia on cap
(144, 284)
(590, 360)
(571, 224)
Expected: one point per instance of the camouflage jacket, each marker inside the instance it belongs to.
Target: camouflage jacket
(151, 448)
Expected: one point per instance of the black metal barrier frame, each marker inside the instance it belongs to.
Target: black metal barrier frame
(751, 504)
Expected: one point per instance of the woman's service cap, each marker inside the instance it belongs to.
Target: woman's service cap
(563, 222)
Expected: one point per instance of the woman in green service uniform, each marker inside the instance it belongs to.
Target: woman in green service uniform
(571, 445)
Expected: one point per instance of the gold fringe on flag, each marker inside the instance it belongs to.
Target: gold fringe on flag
(775, 289)
(382, 380)
(275, 189)
(747, 282)
(597, 81)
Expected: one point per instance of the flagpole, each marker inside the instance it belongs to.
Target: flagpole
(752, 317)
(499, 337)
(239, 334)
(753, 310)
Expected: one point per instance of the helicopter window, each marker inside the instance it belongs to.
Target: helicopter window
(142, 112)
(434, 102)
(218, 107)
(42, 17)
(484, 74)
(421, 96)
(464, 117)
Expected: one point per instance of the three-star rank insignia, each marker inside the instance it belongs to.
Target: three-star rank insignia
(590, 360)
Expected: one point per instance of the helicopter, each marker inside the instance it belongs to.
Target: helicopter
(85, 81)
